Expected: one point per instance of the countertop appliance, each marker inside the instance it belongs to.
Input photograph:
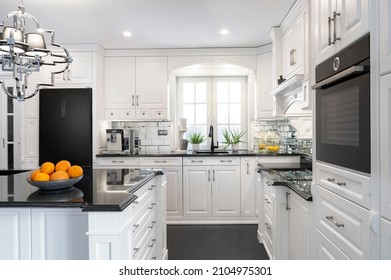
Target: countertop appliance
(115, 140)
(343, 108)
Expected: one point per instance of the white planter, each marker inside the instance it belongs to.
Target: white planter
(195, 147)
(235, 147)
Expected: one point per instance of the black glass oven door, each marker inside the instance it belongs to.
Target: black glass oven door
(343, 124)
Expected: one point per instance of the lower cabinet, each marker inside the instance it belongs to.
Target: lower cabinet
(136, 233)
(286, 223)
(43, 234)
(211, 189)
(385, 242)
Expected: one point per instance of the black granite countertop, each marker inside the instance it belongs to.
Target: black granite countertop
(98, 190)
(296, 186)
(192, 154)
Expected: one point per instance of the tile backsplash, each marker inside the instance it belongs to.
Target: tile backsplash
(155, 137)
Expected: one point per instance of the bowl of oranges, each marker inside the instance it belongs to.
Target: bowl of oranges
(52, 176)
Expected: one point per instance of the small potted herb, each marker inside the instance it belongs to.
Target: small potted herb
(233, 138)
(196, 138)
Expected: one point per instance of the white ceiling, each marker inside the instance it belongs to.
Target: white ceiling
(157, 23)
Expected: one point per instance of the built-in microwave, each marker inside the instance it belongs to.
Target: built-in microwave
(342, 116)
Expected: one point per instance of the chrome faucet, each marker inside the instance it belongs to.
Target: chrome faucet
(212, 144)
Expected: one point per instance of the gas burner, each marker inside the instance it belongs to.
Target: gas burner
(296, 175)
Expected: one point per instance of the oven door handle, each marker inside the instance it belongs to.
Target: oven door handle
(345, 73)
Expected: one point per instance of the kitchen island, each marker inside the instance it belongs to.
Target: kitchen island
(109, 214)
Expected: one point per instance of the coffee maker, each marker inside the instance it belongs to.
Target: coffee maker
(115, 140)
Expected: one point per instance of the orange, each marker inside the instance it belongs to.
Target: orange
(47, 167)
(42, 177)
(63, 165)
(35, 172)
(75, 171)
(59, 175)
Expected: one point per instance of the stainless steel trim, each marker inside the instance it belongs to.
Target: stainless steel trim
(153, 242)
(213, 175)
(209, 175)
(248, 167)
(226, 160)
(135, 226)
(339, 76)
(152, 224)
(329, 22)
(132, 100)
(287, 194)
(335, 38)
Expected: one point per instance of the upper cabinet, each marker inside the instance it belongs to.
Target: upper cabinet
(338, 23)
(385, 38)
(79, 71)
(136, 88)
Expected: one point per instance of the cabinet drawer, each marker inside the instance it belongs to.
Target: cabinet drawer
(345, 223)
(326, 250)
(139, 249)
(144, 225)
(268, 232)
(159, 114)
(349, 185)
(211, 161)
(268, 204)
(161, 161)
(143, 194)
(126, 114)
(117, 161)
(112, 114)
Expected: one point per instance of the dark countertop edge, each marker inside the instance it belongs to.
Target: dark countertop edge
(193, 154)
(10, 204)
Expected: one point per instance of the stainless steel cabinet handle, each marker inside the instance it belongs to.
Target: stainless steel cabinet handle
(3, 142)
(117, 161)
(225, 160)
(132, 100)
(329, 22)
(331, 219)
(213, 175)
(152, 205)
(287, 201)
(293, 57)
(135, 250)
(197, 161)
(152, 243)
(248, 167)
(69, 75)
(267, 226)
(341, 183)
(152, 187)
(160, 161)
(335, 38)
(135, 226)
(152, 224)
(137, 100)
(153, 258)
(332, 180)
(135, 203)
(269, 184)
(209, 175)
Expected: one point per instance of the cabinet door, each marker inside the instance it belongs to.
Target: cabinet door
(226, 191)
(322, 10)
(353, 21)
(15, 232)
(385, 244)
(327, 250)
(151, 82)
(120, 81)
(247, 187)
(174, 191)
(197, 191)
(59, 234)
(31, 137)
(264, 100)
(385, 38)
(300, 216)
(384, 139)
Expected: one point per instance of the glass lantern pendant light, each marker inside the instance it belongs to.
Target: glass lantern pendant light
(23, 51)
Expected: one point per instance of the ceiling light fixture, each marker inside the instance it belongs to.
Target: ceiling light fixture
(23, 51)
(127, 34)
(224, 31)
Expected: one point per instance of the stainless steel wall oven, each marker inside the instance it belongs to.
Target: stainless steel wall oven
(343, 108)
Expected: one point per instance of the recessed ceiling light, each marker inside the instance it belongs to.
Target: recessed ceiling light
(224, 31)
(127, 34)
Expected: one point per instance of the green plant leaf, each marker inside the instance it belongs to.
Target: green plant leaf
(196, 138)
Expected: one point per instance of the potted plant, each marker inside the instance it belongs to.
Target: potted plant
(233, 138)
(196, 138)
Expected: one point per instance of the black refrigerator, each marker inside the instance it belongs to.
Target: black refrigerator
(65, 125)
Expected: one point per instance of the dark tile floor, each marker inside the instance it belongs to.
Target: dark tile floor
(214, 242)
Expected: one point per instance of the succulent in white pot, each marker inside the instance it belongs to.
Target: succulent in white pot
(195, 139)
(233, 138)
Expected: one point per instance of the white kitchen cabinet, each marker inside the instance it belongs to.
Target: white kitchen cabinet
(136, 88)
(115, 162)
(275, 220)
(80, 71)
(385, 36)
(385, 243)
(173, 171)
(264, 100)
(31, 132)
(15, 232)
(385, 151)
(247, 189)
(327, 250)
(300, 216)
(293, 45)
(59, 234)
(338, 23)
(210, 189)
(343, 223)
